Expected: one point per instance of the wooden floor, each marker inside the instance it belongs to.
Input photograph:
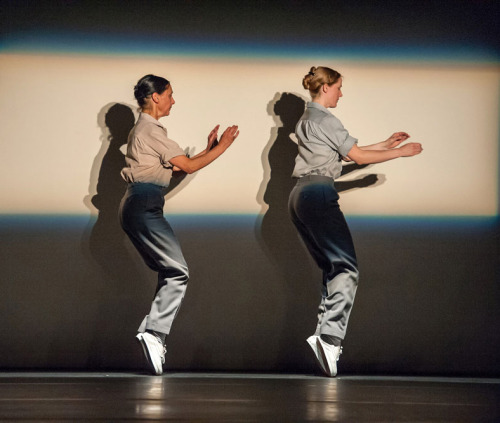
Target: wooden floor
(191, 397)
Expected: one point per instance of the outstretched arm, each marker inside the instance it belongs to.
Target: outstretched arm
(207, 156)
(364, 156)
(392, 142)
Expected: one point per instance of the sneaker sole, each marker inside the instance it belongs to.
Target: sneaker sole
(314, 347)
(147, 355)
(329, 372)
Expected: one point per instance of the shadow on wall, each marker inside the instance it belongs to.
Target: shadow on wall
(299, 278)
(122, 286)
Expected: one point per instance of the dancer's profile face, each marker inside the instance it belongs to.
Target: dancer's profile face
(165, 101)
(333, 93)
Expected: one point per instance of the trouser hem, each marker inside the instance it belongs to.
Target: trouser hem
(339, 335)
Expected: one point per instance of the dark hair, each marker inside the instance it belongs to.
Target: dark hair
(148, 85)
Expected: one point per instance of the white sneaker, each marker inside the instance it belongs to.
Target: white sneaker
(330, 354)
(312, 341)
(154, 350)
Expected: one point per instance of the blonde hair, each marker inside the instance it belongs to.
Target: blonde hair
(317, 77)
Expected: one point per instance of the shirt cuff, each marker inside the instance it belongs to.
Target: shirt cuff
(346, 147)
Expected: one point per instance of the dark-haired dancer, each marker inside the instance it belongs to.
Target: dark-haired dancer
(151, 159)
(323, 143)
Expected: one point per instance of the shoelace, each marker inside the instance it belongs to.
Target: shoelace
(340, 352)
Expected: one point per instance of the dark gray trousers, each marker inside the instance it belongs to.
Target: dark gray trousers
(141, 216)
(314, 210)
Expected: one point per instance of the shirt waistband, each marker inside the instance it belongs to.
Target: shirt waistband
(314, 178)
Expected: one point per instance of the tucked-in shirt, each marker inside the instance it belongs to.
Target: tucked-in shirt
(322, 142)
(149, 150)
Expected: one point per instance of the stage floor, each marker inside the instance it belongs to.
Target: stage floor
(230, 397)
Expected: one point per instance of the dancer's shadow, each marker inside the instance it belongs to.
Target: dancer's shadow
(364, 181)
(296, 271)
(120, 292)
(106, 238)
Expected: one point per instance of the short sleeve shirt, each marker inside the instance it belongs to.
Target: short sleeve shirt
(322, 142)
(149, 150)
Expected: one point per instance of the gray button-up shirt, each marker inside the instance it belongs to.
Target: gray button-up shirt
(323, 141)
(149, 150)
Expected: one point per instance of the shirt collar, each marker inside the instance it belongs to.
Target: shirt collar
(149, 118)
(318, 106)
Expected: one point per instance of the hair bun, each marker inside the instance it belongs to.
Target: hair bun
(318, 76)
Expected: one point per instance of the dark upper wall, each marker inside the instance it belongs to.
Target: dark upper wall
(462, 24)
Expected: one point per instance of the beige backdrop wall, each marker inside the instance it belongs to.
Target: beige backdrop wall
(53, 136)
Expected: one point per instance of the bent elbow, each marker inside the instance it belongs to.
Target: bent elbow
(188, 168)
(359, 161)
